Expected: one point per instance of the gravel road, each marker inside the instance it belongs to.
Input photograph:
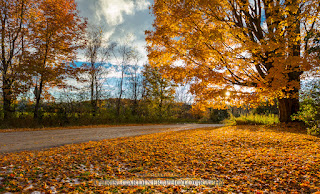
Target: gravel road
(37, 140)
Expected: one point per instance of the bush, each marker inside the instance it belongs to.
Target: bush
(310, 107)
(218, 115)
(309, 114)
(315, 130)
(267, 108)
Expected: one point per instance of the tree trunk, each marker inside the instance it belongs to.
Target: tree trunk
(118, 105)
(135, 107)
(93, 87)
(93, 100)
(37, 93)
(7, 100)
(120, 94)
(287, 107)
(135, 97)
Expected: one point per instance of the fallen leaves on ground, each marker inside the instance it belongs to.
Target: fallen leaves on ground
(247, 159)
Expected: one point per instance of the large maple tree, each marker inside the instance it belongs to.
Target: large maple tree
(257, 50)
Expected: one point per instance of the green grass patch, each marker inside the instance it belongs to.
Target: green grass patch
(253, 119)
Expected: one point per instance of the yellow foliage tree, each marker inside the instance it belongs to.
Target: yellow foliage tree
(14, 41)
(57, 33)
(254, 50)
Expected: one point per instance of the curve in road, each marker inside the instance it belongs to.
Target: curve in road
(37, 140)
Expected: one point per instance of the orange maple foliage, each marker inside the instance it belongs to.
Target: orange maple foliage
(38, 40)
(257, 50)
(14, 17)
(57, 31)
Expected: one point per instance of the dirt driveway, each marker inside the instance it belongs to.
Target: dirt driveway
(36, 140)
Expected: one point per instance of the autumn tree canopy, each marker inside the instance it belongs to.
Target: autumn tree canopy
(14, 17)
(255, 49)
(57, 33)
(38, 39)
(157, 91)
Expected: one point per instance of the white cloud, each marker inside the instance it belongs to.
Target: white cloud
(113, 72)
(113, 10)
(142, 4)
(108, 34)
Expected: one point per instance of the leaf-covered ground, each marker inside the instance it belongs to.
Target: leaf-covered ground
(247, 159)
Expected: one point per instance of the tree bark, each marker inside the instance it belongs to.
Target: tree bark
(7, 99)
(93, 95)
(287, 107)
(38, 92)
(120, 94)
(119, 104)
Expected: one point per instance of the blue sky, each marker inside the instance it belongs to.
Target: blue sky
(120, 18)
